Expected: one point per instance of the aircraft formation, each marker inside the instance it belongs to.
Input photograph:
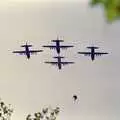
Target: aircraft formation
(58, 47)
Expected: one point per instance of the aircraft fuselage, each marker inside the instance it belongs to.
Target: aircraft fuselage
(92, 53)
(27, 51)
(58, 47)
(59, 63)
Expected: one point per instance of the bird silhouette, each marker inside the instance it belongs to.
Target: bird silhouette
(75, 97)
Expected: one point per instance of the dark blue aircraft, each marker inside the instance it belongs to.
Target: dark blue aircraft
(58, 47)
(27, 51)
(93, 53)
(59, 63)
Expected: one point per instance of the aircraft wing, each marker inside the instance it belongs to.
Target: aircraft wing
(66, 63)
(65, 46)
(35, 51)
(85, 53)
(50, 46)
(19, 52)
(100, 53)
(53, 63)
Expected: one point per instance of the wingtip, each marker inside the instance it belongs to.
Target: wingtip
(41, 50)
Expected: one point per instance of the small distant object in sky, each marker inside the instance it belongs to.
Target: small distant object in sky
(27, 51)
(92, 53)
(75, 97)
(59, 63)
(58, 47)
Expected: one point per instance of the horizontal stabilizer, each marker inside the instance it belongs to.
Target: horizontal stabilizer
(58, 57)
(92, 47)
(57, 40)
(26, 45)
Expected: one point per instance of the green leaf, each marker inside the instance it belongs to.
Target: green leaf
(111, 8)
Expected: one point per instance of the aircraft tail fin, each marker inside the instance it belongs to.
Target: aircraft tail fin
(58, 40)
(26, 45)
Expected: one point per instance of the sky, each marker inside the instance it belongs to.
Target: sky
(30, 85)
(43, 1)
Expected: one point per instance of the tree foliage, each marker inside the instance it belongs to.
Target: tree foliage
(5, 111)
(45, 114)
(111, 8)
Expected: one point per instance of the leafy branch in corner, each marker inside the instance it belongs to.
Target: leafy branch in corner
(5, 111)
(111, 8)
(45, 114)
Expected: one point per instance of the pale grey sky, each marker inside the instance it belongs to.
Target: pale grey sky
(30, 85)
